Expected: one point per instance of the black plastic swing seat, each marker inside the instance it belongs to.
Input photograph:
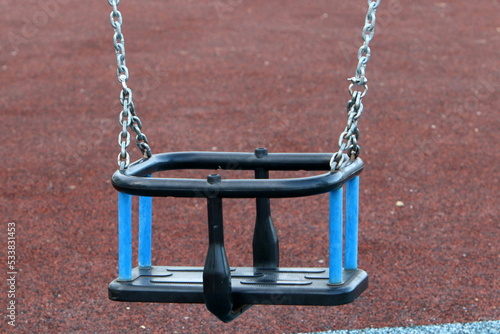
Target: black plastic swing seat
(226, 291)
(269, 286)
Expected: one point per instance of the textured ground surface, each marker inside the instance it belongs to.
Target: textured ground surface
(232, 76)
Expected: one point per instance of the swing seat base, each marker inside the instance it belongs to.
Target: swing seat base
(269, 286)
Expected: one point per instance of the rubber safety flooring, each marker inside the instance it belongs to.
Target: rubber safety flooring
(220, 75)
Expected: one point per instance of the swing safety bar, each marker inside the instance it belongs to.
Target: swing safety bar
(133, 181)
(226, 291)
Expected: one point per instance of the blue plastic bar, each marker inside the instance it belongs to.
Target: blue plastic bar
(145, 231)
(351, 224)
(124, 237)
(336, 272)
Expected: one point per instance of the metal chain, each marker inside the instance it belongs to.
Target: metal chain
(128, 117)
(348, 140)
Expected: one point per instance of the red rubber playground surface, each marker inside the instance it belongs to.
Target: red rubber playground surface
(232, 76)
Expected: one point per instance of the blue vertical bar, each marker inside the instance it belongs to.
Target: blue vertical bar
(145, 230)
(351, 227)
(124, 237)
(336, 272)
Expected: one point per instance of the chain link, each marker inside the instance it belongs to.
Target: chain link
(348, 140)
(128, 117)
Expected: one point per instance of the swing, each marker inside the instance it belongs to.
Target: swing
(227, 291)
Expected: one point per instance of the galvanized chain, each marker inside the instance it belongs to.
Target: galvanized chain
(348, 140)
(128, 116)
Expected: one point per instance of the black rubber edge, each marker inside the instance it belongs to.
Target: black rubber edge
(134, 180)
